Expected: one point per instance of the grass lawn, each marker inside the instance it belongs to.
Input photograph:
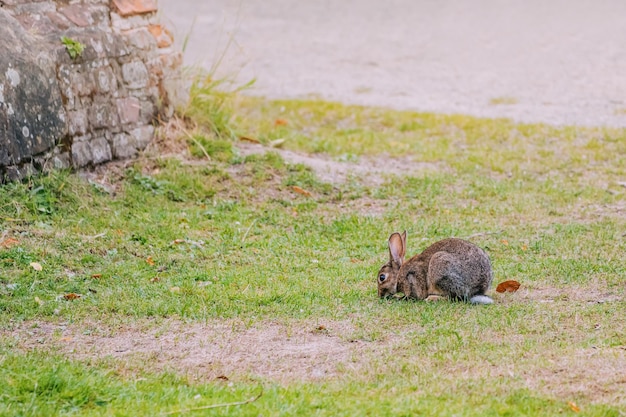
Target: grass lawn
(211, 270)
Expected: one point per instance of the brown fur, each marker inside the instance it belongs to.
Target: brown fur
(451, 268)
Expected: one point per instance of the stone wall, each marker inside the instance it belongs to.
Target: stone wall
(57, 111)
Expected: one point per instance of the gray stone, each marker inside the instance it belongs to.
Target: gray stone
(31, 109)
(60, 22)
(81, 154)
(135, 74)
(140, 38)
(142, 135)
(60, 161)
(106, 80)
(33, 7)
(81, 81)
(102, 115)
(37, 24)
(100, 150)
(18, 173)
(148, 112)
(120, 23)
(124, 146)
(78, 14)
(78, 122)
(128, 110)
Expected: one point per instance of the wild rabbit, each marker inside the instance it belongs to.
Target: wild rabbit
(451, 268)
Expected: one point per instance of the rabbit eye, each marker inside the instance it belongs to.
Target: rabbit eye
(382, 277)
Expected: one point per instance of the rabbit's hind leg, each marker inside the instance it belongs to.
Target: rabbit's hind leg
(444, 278)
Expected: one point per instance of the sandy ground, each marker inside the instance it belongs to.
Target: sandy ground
(325, 350)
(554, 61)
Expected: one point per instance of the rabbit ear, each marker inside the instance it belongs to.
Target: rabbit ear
(403, 236)
(396, 248)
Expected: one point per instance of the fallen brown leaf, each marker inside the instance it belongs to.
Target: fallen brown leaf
(508, 286)
(7, 243)
(573, 406)
(155, 279)
(150, 260)
(96, 276)
(301, 191)
(248, 139)
(36, 266)
(71, 296)
(280, 122)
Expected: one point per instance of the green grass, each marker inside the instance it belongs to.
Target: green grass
(227, 240)
(65, 388)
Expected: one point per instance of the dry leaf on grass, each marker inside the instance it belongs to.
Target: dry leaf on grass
(150, 260)
(36, 266)
(573, 406)
(175, 289)
(301, 191)
(248, 139)
(508, 286)
(96, 276)
(7, 243)
(280, 122)
(71, 296)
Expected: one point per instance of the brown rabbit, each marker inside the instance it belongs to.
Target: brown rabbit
(451, 268)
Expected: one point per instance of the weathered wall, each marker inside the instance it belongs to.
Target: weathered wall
(56, 111)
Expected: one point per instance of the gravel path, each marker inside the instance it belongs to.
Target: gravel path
(553, 61)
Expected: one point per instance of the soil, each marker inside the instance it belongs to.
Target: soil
(322, 350)
(370, 171)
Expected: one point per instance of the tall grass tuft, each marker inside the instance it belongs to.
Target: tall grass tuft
(211, 105)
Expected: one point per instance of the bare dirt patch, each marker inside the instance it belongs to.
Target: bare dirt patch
(278, 352)
(369, 171)
(595, 374)
(595, 212)
(302, 351)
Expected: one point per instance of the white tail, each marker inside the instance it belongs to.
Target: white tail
(481, 299)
